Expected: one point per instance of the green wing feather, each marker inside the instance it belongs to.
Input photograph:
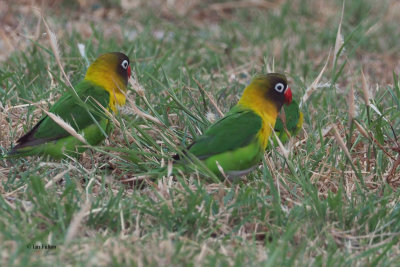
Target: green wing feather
(72, 111)
(237, 129)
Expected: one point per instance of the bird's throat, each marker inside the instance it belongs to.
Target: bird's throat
(112, 83)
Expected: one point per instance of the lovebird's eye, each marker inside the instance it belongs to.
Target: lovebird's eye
(279, 87)
(125, 64)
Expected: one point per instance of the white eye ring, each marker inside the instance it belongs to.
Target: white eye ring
(279, 87)
(125, 64)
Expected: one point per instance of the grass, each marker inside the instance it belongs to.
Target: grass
(321, 206)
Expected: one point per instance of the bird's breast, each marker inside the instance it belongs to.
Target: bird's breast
(266, 129)
(117, 98)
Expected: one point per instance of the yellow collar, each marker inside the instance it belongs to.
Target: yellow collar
(254, 99)
(111, 82)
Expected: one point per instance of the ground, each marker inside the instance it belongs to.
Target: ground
(328, 198)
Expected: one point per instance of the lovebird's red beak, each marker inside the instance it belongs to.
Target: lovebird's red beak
(288, 96)
(129, 71)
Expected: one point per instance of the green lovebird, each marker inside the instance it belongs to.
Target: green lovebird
(237, 141)
(104, 84)
(294, 123)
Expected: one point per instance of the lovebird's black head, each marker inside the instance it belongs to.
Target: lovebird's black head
(123, 65)
(279, 91)
(273, 87)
